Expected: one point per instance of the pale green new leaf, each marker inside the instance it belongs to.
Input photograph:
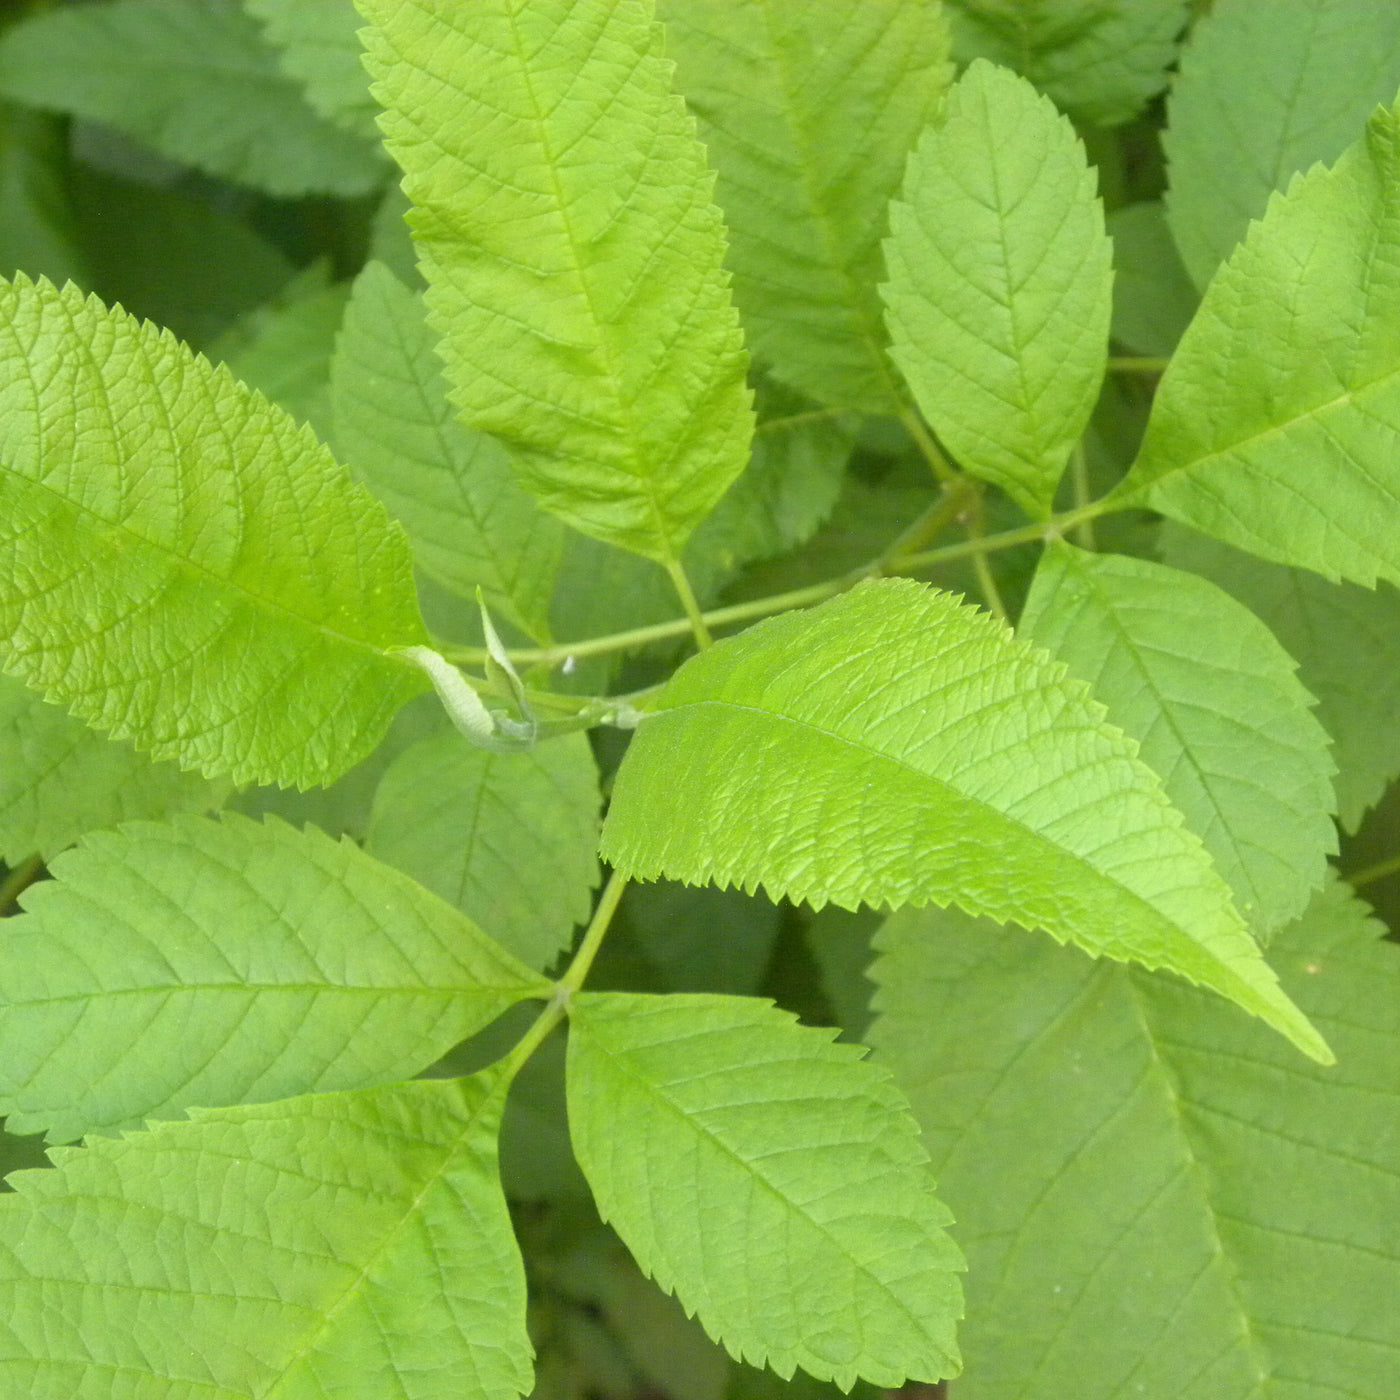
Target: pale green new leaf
(471, 523)
(206, 962)
(510, 839)
(1000, 284)
(564, 224)
(1098, 59)
(337, 1244)
(60, 779)
(770, 1179)
(194, 80)
(183, 565)
(1155, 1199)
(808, 109)
(1267, 88)
(1346, 641)
(896, 747)
(1210, 695)
(1276, 428)
(318, 44)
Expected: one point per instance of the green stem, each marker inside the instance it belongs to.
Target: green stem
(1137, 364)
(573, 976)
(1372, 873)
(986, 582)
(943, 469)
(18, 880)
(690, 603)
(957, 495)
(1079, 478)
(784, 602)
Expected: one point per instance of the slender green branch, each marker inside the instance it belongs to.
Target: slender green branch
(943, 469)
(806, 597)
(1079, 479)
(1371, 873)
(18, 880)
(1137, 364)
(986, 581)
(573, 976)
(690, 603)
(958, 495)
(791, 420)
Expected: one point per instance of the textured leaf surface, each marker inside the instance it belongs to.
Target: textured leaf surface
(1000, 286)
(1099, 59)
(1267, 88)
(59, 779)
(194, 80)
(1276, 427)
(1346, 641)
(1156, 1199)
(510, 839)
(895, 747)
(573, 257)
(471, 522)
(1210, 695)
(338, 1244)
(808, 109)
(318, 44)
(213, 963)
(770, 1179)
(183, 565)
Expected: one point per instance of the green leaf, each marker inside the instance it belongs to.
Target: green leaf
(1153, 297)
(1155, 1199)
(770, 1179)
(1000, 286)
(194, 80)
(510, 839)
(1275, 426)
(471, 523)
(895, 747)
(1210, 695)
(338, 1244)
(1346, 641)
(38, 234)
(1098, 59)
(572, 254)
(284, 349)
(184, 565)
(212, 963)
(59, 779)
(318, 44)
(1264, 92)
(808, 112)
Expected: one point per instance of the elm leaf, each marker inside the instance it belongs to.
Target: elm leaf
(770, 1179)
(563, 220)
(184, 565)
(894, 746)
(1000, 284)
(1210, 695)
(215, 962)
(335, 1244)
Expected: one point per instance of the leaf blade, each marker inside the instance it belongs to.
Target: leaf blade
(1210, 695)
(1000, 284)
(788, 95)
(1200, 1214)
(1274, 426)
(210, 963)
(336, 1242)
(864, 1281)
(610, 359)
(168, 536)
(829, 755)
